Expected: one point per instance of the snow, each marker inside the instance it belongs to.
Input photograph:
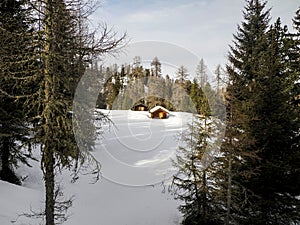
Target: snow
(157, 108)
(135, 156)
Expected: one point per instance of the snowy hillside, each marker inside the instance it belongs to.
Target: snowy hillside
(135, 155)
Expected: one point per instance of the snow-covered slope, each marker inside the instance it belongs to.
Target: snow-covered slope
(136, 158)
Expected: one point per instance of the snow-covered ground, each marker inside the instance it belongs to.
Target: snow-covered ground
(135, 155)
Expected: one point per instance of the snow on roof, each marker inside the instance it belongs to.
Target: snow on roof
(157, 108)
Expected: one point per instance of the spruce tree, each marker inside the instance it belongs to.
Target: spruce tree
(16, 53)
(295, 100)
(276, 133)
(293, 45)
(261, 87)
(193, 184)
(244, 65)
(233, 198)
(197, 96)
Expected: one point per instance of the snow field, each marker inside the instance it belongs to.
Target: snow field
(135, 156)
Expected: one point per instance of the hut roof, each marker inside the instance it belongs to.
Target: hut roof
(157, 108)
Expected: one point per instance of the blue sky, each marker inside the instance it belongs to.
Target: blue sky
(204, 27)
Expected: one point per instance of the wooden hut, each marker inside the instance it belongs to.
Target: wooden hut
(159, 112)
(140, 107)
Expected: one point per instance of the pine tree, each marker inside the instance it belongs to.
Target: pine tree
(193, 183)
(294, 56)
(182, 74)
(202, 74)
(156, 67)
(274, 134)
(15, 54)
(239, 157)
(218, 73)
(198, 97)
(260, 87)
(295, 101)
(296, 20)
(218, 104)
(233, 197)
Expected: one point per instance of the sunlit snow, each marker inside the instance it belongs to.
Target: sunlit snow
(135, 155)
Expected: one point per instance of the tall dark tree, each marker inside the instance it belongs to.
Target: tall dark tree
(295, 58)
(233, 197)
(260, 88)
(294, 55)
(245, 63)
(193, 184)
(15, 54)
(199, 98)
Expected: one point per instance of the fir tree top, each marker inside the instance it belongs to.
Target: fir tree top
(296, 20)
(250, 42)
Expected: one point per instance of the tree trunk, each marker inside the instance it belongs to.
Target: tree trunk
(228, 201)
(204, 197)
(5, 160)
(49, 186)
(48, 153)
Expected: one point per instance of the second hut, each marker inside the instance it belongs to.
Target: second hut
(159, 112)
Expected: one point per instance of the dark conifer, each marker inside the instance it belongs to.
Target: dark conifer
(260, 87)
(16, 54)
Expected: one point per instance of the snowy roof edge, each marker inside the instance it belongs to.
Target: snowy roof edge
(158, 107)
